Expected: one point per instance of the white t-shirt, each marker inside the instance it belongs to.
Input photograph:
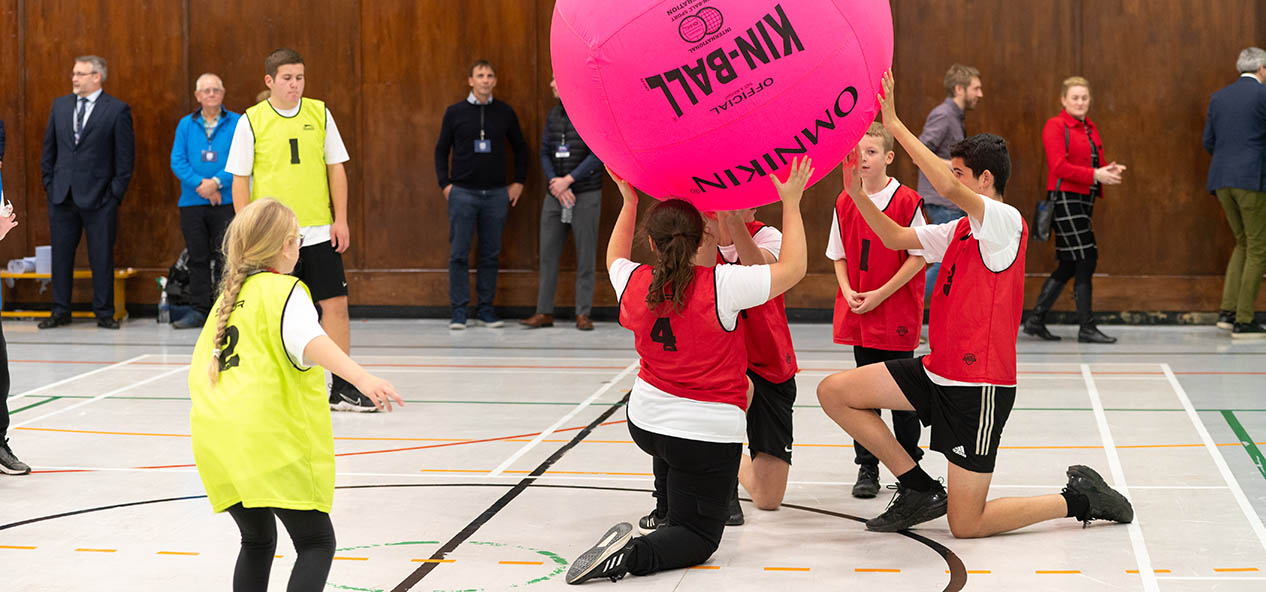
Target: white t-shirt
(241, 160)
(738, 287)
(999, 235)
(835, 242)
(299, 326)
(767, 238)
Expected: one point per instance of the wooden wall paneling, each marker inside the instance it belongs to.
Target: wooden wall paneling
(233, 39)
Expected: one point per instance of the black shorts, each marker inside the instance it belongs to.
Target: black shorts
(321, 268)
(966, 436)
(769, 417)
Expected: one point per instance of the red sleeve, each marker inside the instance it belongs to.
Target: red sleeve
(1057, 159)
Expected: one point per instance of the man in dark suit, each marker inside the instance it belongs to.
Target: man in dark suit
(87, 163)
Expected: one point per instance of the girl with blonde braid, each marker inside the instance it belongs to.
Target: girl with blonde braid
(262, 438)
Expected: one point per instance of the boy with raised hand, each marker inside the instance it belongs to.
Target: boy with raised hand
(879, 304)
(965, 387)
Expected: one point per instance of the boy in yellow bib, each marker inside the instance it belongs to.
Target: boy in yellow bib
(291, 148)
(262, 439)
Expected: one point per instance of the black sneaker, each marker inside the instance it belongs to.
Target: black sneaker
(1226, 320)
(1248, 331)
(1105, 502)
(650, 522)
(909, 507)
(346, 397)
(736, 512)
(606, 559)
(9, 464)
(867, 485)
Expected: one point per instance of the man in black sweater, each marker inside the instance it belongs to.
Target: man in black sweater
(475, 132)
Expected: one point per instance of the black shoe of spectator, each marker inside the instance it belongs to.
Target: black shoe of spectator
(1248, 331)
(1092, 334)
(54, 322)
(107, 323)
(1226, 320)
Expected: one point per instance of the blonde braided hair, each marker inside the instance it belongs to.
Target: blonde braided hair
(255, 240)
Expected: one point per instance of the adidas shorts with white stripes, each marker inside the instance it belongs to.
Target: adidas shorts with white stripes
(966, 421)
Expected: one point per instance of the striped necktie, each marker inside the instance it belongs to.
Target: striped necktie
(79, 118)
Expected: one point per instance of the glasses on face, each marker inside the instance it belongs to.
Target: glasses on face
(81, 74)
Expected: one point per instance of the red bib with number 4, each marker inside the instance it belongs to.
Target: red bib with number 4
(687, 354)
(895, 324)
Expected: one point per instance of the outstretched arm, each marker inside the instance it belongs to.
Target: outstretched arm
(893, 235)
(621, 244)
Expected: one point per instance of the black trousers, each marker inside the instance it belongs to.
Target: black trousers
(4, 386)
(313, 537)
(905, 424)
(66, 222)
(203, 228)
(700, 478)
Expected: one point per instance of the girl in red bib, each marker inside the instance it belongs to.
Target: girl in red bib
(688, 402)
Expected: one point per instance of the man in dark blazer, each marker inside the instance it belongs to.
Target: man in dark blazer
(87, 163)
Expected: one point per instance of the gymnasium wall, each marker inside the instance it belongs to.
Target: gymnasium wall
(388, 69)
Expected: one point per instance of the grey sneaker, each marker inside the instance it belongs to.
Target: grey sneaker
(909, 507)
(1106, 503)
(606, 559)
(9, 464)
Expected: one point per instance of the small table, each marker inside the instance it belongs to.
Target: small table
(120, 293)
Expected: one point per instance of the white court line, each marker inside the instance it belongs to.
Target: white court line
(1118, 476)
(1212, 578)
(78, 376)
(104, 395)
(550, 430)
(400, 370)
(1250, 515)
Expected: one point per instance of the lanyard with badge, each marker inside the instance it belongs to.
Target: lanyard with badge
(562, 150)
(210, 155)
(483, 145)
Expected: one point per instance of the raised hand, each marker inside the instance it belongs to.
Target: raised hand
(626, 189)
(887, 100)
(793, 189)
(852, 173)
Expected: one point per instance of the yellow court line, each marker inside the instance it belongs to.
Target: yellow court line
(276, 556)
(1057, 571)
(1134, 571)
(521, 562)
(336, 558)
(18, 547)
(875, 570)
(98, 550)
(1234, 569)
(433, 560)
(176, 553)
(786, 569)
(704, 567)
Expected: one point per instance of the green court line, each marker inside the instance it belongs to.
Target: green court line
(21, 409)
(1247, 442)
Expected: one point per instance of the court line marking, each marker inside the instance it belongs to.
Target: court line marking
(1246, 441)
(78, 376)
(102, 396)
(1146, 574)
(1250, 515)
(1214, 578)
(564, 419)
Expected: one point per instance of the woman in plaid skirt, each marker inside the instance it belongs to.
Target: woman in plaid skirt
(1074, 157)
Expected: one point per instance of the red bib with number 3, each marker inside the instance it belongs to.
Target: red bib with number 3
(687, 354)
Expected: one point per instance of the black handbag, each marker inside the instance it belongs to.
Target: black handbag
(1044, 211)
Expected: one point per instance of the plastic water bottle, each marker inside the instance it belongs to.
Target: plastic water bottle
(164, 310)
(565, 216)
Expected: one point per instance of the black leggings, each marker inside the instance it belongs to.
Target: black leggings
(313, 537)
(1083, 269)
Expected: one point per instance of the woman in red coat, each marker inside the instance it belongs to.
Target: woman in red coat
(1076, 175)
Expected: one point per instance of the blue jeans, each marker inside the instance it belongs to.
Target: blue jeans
(470, 211)
(937, 214)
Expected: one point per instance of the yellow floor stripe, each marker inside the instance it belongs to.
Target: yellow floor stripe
(176, 553)
(1234, 569)
(351, 558)
(521, 562)
(433, 560)
(98, 550)
(704, 567)
(875, 570)
(276, 556)
(1057, 571)
(786, 569)
(16, 547)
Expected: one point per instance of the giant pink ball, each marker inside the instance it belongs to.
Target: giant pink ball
(701, 99)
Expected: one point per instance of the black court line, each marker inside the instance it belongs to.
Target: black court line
(958, 572)
(505, 500)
